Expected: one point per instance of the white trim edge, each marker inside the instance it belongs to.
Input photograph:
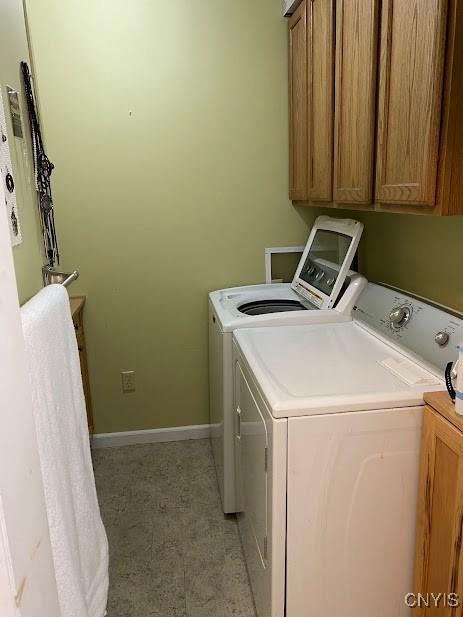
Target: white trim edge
(8, 591)
(277, 249)
(154, 435)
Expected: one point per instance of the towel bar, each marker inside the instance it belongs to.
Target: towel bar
(72, 277)
(52, 276)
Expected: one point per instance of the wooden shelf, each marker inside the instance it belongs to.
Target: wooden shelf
(77, 303)
(77, 310)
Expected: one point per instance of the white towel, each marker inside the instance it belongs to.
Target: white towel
(78, 537)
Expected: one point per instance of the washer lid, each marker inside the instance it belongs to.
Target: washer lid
(306, 370)
(326, 260)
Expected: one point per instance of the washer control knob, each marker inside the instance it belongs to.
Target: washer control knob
(330, 282)
(310, 270)
(320, 275)
(399, 316)
(442, 338)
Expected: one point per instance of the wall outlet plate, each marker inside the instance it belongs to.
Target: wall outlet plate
(128, 381)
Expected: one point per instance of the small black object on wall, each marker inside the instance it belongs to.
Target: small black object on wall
(9, 182)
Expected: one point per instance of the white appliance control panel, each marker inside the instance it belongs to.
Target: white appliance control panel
(430, 331)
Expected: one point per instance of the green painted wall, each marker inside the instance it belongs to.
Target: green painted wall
(422, 254)
(167, 122)
(13, 48)
(168, 125)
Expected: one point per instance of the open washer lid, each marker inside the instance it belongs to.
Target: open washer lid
(326, 260)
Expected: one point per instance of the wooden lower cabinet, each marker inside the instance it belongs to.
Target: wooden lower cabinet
(77, 311)
(439, 556)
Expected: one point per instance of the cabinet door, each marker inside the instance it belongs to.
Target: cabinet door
(439, 556)
(298, 105)
(311, 67)
(355, 96)
(411, 76)
(320, 66)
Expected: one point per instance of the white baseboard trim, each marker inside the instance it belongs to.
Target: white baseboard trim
(155, 435)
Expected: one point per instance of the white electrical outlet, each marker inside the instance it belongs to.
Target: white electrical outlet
(128, 381)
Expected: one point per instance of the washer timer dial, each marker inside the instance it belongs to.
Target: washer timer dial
(399, 316)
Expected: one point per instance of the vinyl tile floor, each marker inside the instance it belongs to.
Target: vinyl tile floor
(172, 551)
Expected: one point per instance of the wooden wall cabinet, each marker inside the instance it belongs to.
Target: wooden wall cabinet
(439, 555)
(311, 52)
(405, 153)
(298, 105)
(77, 312)
(355, 100)
(410, 94)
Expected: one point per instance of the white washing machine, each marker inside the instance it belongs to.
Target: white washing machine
(323, 290)
(328, 425)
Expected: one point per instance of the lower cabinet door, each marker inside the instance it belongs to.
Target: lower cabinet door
(439, 555)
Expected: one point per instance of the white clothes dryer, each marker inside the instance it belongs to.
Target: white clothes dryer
(323, 290)
(328, 425)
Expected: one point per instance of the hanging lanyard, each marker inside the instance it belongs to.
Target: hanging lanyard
(43, 169)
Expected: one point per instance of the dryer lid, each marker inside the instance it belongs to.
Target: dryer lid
(320, 369)
(326, 260)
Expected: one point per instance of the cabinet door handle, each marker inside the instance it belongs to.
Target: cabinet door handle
(238, 423)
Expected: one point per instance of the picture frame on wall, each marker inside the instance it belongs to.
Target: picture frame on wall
(15, 111)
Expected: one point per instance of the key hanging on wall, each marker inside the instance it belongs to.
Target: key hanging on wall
(43, 169)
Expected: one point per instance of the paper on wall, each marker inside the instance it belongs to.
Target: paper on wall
(6, 172)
